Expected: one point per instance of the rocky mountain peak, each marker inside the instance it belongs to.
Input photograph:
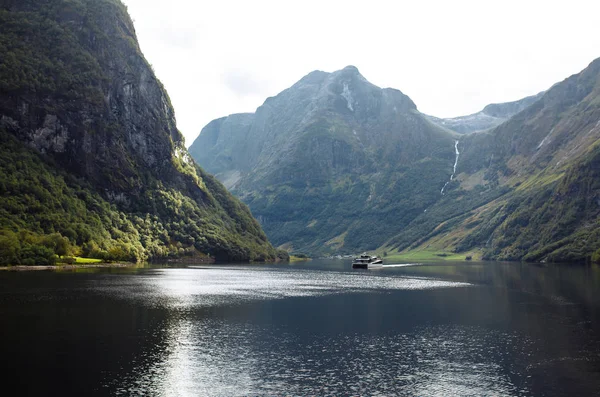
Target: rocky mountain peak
(349, 72)
(337, 143)
(351, 69)
(336, 164)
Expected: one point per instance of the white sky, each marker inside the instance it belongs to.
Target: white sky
(452, 57)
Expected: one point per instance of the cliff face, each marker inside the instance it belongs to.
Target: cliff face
(227, 139)
(336, 165)
(75, 87)
(539, 172)
(332, 164)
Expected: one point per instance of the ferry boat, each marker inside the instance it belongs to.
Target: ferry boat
(367, 262)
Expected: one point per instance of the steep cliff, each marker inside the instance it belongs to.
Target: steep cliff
(539, 171)
(77, 91)
(337, 165)
(332, 164)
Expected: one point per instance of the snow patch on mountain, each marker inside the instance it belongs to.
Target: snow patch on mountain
(347, 94)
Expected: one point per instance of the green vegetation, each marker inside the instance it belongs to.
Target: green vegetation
(527, 190)
(555, 218)
(86, 261)
(298, 257)
(89, 152)
(551, 216)
(343, 204)
(558, 223)
(327, 179)
(38, 62)
(524, 197)
(41, 205)
(555, 221)
(420, 256)
(283, 256)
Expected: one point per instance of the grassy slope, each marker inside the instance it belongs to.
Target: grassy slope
(551, 215)
(429, 255)
(528, 190)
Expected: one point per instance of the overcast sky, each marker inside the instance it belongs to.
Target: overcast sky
(452, 57)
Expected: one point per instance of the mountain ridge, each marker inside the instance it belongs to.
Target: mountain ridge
(489, 117)
(542, 208)
(320, 140)
(501, 173)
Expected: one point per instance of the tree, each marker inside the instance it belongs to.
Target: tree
(9, 248)
(59, 244)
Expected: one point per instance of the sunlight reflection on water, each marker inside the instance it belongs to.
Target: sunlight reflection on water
(433, 329)
(216, 359)
(211, 356)
(203, 287)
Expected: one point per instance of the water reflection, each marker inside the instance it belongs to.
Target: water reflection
(367, 337)
(426, 329)
(212, 360)
(209, 356)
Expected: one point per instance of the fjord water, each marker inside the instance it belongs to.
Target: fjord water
(318, 328)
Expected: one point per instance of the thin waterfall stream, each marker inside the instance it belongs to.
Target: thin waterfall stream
(454, 169)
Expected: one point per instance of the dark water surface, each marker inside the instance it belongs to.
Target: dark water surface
(464, 329)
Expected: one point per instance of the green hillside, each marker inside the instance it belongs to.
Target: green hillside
(90, 156)
(528, 189)
(335, 165)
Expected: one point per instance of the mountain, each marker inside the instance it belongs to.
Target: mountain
(543, 168)
(491, 116)
(332, 164)
(335, 164)
(90, 155)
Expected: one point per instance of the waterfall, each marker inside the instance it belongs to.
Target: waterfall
(454, 169)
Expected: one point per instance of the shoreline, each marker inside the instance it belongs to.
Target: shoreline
(21, 268)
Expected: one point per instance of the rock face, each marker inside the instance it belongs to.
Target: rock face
(337, 165)
(491, 116)
(332, 164)
(75, 88)
(539, 174)
(87, 93)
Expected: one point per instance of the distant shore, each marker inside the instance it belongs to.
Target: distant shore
(65, 267)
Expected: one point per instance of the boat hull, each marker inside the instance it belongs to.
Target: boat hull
(374, 265)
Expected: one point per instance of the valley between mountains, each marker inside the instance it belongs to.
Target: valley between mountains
(92, 163)
(336, 165)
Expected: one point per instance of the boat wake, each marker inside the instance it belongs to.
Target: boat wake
(401, 265)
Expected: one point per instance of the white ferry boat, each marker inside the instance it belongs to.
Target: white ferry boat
(367, 262)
